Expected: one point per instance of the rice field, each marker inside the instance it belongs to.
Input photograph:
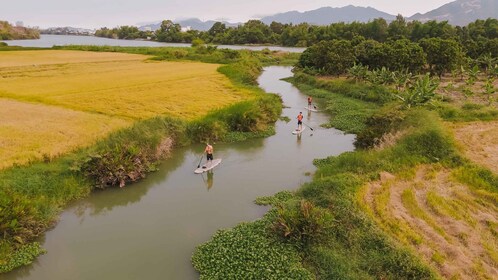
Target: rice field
(30, 132)
(54, 101)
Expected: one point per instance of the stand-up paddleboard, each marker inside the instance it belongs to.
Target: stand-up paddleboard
(311, 109)
(208, 166)
(299, 131)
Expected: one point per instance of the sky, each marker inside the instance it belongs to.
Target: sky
(112, 13)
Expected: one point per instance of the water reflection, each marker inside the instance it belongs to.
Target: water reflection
(104, 201)
(209, 179)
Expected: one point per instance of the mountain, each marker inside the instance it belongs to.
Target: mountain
(194, 23)
(461, 12)
(328, 15)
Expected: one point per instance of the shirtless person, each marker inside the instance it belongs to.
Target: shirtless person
(309, 102)
(209, 154)
(300, 121)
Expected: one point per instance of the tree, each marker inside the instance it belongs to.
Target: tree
(405, 55)
(443, 55)
(398, 28)
(329, 57)
(169, 32)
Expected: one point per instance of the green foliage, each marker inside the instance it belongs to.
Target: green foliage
(348, 114)
(467, 112)
(300, 222)
(379, 124)
(443, 55)
(9, 32)
(477, 177)
(248, 252)
(420, 93)
(22, 256)
(328, 57)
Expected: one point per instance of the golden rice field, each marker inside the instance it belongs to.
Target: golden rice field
(54, 101)
(33, 131)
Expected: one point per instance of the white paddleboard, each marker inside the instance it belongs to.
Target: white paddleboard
(208, 166)
(299, 131)
(311, 109)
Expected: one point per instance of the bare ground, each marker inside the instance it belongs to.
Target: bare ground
(458, 231)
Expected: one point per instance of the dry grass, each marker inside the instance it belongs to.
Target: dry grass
(480, 142)
(31, 131)
(54, 101)
(455, 225)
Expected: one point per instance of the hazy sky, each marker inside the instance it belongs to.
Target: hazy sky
(112, 13)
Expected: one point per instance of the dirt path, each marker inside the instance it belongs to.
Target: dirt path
(479, 141)
(452, 227)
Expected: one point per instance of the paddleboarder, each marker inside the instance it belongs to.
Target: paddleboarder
(300, 121)
(209, 154)
(310, 100)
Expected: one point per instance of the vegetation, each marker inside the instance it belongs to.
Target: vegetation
(9, 32)
(477, 38)
(31, 196)
(343, 222)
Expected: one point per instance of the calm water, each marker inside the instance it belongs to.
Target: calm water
(149, 230)
(48, 41)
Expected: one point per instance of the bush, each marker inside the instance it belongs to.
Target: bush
(377, 126)
(300, 222)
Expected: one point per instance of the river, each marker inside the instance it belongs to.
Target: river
(48, 41)
(150, 229)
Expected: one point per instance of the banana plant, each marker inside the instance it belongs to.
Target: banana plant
(420, 93)
(401, 79)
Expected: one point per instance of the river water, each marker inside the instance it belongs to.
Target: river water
(48, 41)
(150, 229)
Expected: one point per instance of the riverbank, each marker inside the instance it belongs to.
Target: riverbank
(33, 196)
(348, 223)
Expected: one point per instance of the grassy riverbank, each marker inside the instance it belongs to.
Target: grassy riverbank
(32, 196)
(348, 223)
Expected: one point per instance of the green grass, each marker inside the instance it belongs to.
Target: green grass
(347, 114)
(466, 113)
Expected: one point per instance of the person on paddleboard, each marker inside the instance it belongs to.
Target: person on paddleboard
(300, 121)
(310, 100)
(209, 154)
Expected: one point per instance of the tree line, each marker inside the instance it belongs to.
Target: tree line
(9, 32)
(475, 35)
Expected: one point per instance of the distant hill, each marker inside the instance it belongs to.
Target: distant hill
(461, 12)
(9, 32)
(328, 15)
(194, 23)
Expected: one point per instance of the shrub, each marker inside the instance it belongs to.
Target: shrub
(299, 221)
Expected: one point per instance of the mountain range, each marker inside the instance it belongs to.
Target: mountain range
(459, 12)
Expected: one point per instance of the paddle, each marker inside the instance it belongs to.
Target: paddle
(199, 165)
(308, 126)
(314, 106)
